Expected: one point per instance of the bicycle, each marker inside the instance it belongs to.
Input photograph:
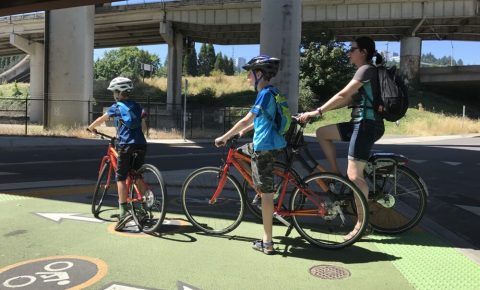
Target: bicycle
(214, 202)
(147, 195)
(397, 195)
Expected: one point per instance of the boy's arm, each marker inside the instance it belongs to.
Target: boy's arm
(245, 130)
(99, 121)
(239, 126)
(144, 126)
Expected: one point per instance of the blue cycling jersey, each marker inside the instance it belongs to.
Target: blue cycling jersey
(266, 137)
(126, 135)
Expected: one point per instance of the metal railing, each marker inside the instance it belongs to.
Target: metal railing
(201, 121)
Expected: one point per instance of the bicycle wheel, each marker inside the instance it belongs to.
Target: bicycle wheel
(104, 183)
(149, 212)
(396, 207)
(250, 193)
(220, 217)
(341, 225)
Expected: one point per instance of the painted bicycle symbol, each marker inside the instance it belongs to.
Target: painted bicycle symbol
(54, 272)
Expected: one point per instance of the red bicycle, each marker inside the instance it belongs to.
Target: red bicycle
(214, 201)
(147, 195)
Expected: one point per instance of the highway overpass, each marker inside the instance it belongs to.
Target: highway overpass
(74, 32)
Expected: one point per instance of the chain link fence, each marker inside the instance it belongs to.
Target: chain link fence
(201, 121)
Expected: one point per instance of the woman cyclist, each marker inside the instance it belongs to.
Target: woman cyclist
(365, 126)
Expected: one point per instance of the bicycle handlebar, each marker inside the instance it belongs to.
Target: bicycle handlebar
(94, 131)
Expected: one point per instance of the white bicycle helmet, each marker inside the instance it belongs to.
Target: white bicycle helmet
(120, 84)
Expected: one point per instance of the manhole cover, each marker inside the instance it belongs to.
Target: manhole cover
(329, 272)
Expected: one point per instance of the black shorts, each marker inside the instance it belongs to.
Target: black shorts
(262, 167)
(361, 135)
(125, 160)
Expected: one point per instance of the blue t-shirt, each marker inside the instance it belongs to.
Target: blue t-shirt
(124, 134)
(266, 137)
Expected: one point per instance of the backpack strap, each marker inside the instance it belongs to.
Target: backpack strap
(269, 117)
(126, 108)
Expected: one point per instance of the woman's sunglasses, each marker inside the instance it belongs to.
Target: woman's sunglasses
(352, 49)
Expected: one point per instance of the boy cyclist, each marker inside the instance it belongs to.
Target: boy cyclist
(267, 142)
(129, 139)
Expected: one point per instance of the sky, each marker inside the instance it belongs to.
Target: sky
(465, 50)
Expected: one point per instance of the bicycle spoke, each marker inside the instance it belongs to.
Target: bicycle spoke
(328, 219)
(218, 217)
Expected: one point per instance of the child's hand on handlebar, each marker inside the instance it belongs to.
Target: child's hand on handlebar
(92, 130)
(220, 141)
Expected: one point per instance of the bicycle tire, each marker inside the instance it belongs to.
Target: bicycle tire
(101, 188)
(221, 217)
(332, 230)
(409, 202)
(149, 213)
(250, 193)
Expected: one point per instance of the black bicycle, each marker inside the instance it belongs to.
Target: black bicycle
(397, 197)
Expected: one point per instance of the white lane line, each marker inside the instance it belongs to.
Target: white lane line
(452, 163)
(98, 159)
(7, 173)
(419, 161)
(472, 209)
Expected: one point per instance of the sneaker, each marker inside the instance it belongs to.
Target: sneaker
(122, 221)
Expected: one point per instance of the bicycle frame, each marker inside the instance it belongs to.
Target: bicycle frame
(234, 158)
(112, 158)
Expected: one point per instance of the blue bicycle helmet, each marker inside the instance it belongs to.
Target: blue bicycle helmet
(266, 64)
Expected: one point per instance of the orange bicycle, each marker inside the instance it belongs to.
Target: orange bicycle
(146, 195)
(214, 201)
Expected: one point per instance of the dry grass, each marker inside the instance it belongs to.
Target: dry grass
(220, 83)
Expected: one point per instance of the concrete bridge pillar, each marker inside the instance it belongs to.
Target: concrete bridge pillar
(36, 52)
(70, 74)
(175, 42)
(410, 55)
(280, 33)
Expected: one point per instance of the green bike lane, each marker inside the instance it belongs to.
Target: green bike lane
(181, 258)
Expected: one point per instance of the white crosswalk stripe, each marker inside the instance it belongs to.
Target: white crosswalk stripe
(472, 209)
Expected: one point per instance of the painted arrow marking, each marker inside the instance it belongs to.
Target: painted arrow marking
(58, 217)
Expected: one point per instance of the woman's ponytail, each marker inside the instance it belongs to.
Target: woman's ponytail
(378, 58)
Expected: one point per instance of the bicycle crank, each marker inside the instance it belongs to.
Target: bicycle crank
(386, 201)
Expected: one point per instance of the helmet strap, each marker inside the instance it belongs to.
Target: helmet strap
(257, 80)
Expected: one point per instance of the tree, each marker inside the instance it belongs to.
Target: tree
(126, 62)
(229, 66)
(190, 63)
(324, 66)
(219, 63)
(210, 57)
(202, 60)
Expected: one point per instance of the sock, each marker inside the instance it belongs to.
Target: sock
(123, 209)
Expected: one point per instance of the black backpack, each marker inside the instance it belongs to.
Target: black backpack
(392, 95)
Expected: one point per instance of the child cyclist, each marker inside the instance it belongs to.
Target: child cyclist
(129, 139)
(267, 142)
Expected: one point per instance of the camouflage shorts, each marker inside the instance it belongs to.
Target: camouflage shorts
(262, 167)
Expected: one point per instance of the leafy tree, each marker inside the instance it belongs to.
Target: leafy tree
(324, 66)
(126, 62)
(190, 63)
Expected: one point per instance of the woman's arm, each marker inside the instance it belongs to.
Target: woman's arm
(340, 100)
